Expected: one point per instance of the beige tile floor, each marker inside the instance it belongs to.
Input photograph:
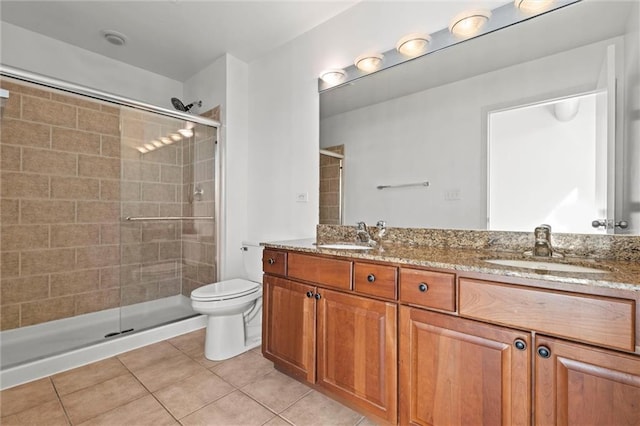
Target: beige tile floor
(171, 383)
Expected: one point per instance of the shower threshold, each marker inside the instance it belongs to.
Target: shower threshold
(31, 343)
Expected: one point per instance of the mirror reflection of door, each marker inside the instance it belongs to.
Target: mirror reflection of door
(331, 185)
(548, 164)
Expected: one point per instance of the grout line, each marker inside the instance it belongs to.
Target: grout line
(64, 409)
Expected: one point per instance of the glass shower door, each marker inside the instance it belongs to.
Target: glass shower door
(167, 230)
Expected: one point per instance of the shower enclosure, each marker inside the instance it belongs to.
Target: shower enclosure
(108, 214)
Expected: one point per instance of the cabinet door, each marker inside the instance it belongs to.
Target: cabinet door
(357, 357)
(288, 333)
(460, 372)
(580, 385)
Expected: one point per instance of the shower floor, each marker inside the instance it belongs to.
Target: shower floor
(39, 341)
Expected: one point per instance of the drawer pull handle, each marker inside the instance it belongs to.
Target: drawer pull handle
(544, 352)
(318, 297)
(271, 261)
(423, 287)
(520, 344)
(309, 294)
(371, 278)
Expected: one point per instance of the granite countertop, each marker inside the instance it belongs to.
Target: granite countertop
(617, 274)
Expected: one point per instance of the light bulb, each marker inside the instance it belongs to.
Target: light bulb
(332, 76)
(469, 23)
(187, 133)
(532, 6)
(368, 62)
(149, 146)
(413, 44)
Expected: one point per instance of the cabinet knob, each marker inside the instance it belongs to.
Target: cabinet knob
(271, 261)
(520, 344)
(423, 287)
(309, 294)
(544, 352)
(371, 278)
(318, 297)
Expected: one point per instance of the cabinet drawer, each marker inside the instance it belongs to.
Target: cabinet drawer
(429, 289)
(599, 320)
(376, 280)
(329, 272)
(274, 262)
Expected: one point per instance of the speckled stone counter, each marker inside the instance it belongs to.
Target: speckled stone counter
(617, 274)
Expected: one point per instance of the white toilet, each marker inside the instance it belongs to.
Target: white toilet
(234, 309)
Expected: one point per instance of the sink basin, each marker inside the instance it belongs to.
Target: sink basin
(343, 247)
(545, 266)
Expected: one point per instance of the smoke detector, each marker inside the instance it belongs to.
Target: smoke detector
(114, 37)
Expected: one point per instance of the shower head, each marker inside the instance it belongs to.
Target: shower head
(177, 104)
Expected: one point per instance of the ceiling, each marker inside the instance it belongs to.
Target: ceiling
(174, 38)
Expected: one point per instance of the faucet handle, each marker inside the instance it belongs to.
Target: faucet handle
(381, 224)
(362, 226)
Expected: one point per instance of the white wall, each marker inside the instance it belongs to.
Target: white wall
(36, 53)
(225, 82)
(437, 135)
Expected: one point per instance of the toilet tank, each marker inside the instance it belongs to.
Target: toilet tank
(252, 258)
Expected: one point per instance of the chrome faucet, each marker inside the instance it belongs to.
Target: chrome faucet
(382, 228)
(362, 233)
(542, 246)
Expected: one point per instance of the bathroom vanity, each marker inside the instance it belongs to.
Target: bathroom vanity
(439, 336)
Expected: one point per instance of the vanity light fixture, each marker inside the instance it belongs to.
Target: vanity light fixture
(469, 23)
(533, 6)
(333, 76)
(187, 133)
(413, 44)
(369, 62)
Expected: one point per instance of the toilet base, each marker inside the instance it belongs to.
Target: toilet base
(226, 337)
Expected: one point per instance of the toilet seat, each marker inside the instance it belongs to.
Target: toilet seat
(225, 290)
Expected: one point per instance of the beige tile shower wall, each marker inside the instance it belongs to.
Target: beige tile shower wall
(151, 251)
(198, 239)
(59, 206)
(330, 187)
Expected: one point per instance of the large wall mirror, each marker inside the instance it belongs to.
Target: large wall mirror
(535, 123)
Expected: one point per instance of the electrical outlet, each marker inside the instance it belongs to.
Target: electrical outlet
(302, 197)
(452, 195)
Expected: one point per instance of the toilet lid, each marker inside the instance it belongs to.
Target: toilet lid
(225, 290)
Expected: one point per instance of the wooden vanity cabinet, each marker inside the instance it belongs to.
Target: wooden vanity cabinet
(456, 348)
(581, 385)
(289, 321)
(457, 371)
(316, 328)
(356, 351)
